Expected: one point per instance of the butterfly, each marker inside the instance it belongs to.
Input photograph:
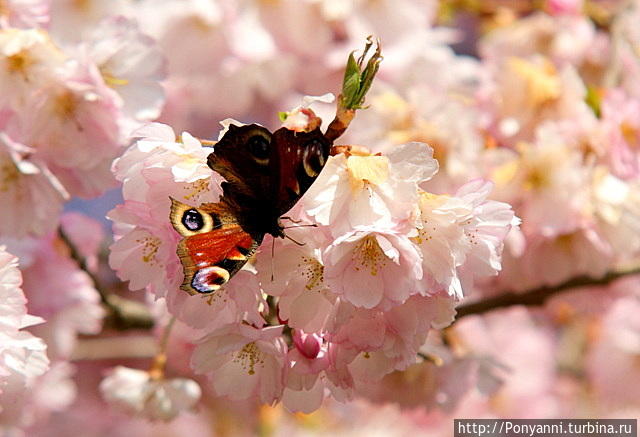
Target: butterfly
(266, 174)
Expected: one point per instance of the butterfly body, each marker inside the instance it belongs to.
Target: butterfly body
(266, 174)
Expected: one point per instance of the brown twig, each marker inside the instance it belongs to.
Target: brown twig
(539, 296)
(123, 314)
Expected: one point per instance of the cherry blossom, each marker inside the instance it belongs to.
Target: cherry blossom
(25, 13)
(31, 190)
(136, 392)
(496, 152)
(243, 362)
(23, 356)
(370, 190)
(372, 267)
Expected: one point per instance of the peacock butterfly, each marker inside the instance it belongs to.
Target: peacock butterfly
(266, 174)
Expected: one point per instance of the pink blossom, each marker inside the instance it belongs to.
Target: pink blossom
(220, 61)
(616, 209)
(240, 300)
(28, 61)
(621, 132)
(460, 235)
(73, 127)
(31, 190)
(132, 65)
(370, 190)
(22, 355)
(388, 340)
(301, 117)
(611, 361)
(426, 113)
(308, 344)
(373, 266)
(136, 392)
(25, 13)
(305, 386)
(547, 183)
(295, 275)
(53, 392)
(525, 93)
(565, 36)
(564, 6)
(524, 348)
(72, 22)
(243, 362)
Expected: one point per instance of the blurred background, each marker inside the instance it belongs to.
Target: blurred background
(541, 97)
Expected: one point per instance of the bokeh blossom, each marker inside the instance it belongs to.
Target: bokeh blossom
(22, 355)
(136, 392)
(470, 248)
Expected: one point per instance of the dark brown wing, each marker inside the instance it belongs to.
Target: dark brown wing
(297, 159)
(266, 174)
(242, 157)
(214, 246)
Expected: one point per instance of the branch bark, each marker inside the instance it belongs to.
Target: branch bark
(123, 314)
(539, 296)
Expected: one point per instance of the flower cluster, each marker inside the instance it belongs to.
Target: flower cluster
(66, 110)
(23, 357)
(354, 295)
(468, 185)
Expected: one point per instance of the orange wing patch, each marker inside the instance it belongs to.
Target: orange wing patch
(214, 246)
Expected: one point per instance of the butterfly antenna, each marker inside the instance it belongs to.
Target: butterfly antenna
(297, 242)
(273, 252)
(291, 219)
(314, 225)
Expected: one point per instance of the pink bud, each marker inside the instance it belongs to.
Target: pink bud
(562, 7)
(308, 344)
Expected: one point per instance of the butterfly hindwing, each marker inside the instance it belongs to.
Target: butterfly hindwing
(214, 246)
(297, 159)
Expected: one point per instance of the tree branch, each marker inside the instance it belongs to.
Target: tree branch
(538, 296)
(123, 314)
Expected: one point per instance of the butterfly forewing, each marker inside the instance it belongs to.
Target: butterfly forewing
(214, 247)
(242, 157)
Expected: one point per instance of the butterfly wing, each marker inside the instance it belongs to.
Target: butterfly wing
(266, 174)
(214, 246)
(242, 157)
(296, 160)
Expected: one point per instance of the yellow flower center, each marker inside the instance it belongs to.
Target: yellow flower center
(630, 134)
(541, 80)
(196, 188)
(536, 178)
(111, 80)
(82, 5)
(365, 170)
(313, 271)
(249, 357)
(369, 256)
(65, 105)
(9, 175)
(19, 63)
(150, 246)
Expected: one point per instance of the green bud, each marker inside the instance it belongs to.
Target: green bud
(357, 80)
